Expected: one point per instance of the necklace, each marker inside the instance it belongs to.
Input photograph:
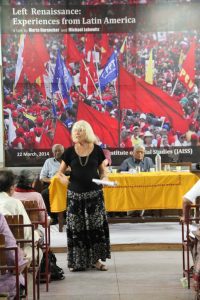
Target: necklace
(86, 161)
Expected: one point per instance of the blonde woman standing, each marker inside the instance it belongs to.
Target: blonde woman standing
(87, 228)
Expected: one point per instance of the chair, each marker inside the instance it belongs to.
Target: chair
(192, 217)
(14, 269)
(33, 210)
(17, 226)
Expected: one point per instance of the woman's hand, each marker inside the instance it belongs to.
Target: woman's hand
(63, 179)
(105, 178)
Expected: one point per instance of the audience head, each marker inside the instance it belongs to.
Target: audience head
(57, 151)
(26, 179)
(82, 130)
(7, 181)
(136, 131)
(138, 152)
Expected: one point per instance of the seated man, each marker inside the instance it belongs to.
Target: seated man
(25, 191)
(190, 197)
(12, 206)
(49, 169)
(8, 280)
(138, 159)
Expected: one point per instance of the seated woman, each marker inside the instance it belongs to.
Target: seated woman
(25, 191)
(8, 280)
(12, 206)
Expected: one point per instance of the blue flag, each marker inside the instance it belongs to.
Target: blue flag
(62, 79)
(110, 72)
(54, 109)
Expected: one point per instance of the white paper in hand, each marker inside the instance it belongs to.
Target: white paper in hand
(104, 182)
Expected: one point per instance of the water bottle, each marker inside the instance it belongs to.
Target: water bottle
(158, 162)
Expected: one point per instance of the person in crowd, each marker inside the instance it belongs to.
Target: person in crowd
(137, 159)
(87, 227)
(148, 139)
(49, 169)
(164, 141)
(25, 191)
(11, 206)
(8, 280)
(181, 140)
(135, 139)
(190, 131)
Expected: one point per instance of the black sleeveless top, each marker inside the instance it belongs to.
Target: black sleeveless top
(83, 169)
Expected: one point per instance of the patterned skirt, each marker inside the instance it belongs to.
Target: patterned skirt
(87, 229)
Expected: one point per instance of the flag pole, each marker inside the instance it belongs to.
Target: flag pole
(90, 76)
(97, 69)
(174, 87)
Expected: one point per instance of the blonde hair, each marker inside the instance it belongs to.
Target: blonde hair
(85, 126)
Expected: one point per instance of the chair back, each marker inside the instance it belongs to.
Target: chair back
(3, 261)
(31, 207)
(17, 231)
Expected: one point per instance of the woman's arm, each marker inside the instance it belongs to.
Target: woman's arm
(103, 173)
(186, 204)
(63, 167)
(60, 174)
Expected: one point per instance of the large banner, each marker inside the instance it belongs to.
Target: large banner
(131, 70)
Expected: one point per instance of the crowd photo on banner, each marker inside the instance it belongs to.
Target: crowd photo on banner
(144, 85)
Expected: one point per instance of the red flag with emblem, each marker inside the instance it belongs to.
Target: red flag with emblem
(187, 73)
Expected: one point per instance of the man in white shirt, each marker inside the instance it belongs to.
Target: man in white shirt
(190, 197)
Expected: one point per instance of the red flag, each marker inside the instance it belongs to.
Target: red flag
(33, 64)
(138, 95)
(40, 47)
(105, 127)
(187, 74)
(83, 73)
(62, 135)
(89, 43)
(71, 52)
(105, 49)
(45, 142)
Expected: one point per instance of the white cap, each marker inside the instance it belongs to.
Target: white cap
(148, 133)
(143, 116)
